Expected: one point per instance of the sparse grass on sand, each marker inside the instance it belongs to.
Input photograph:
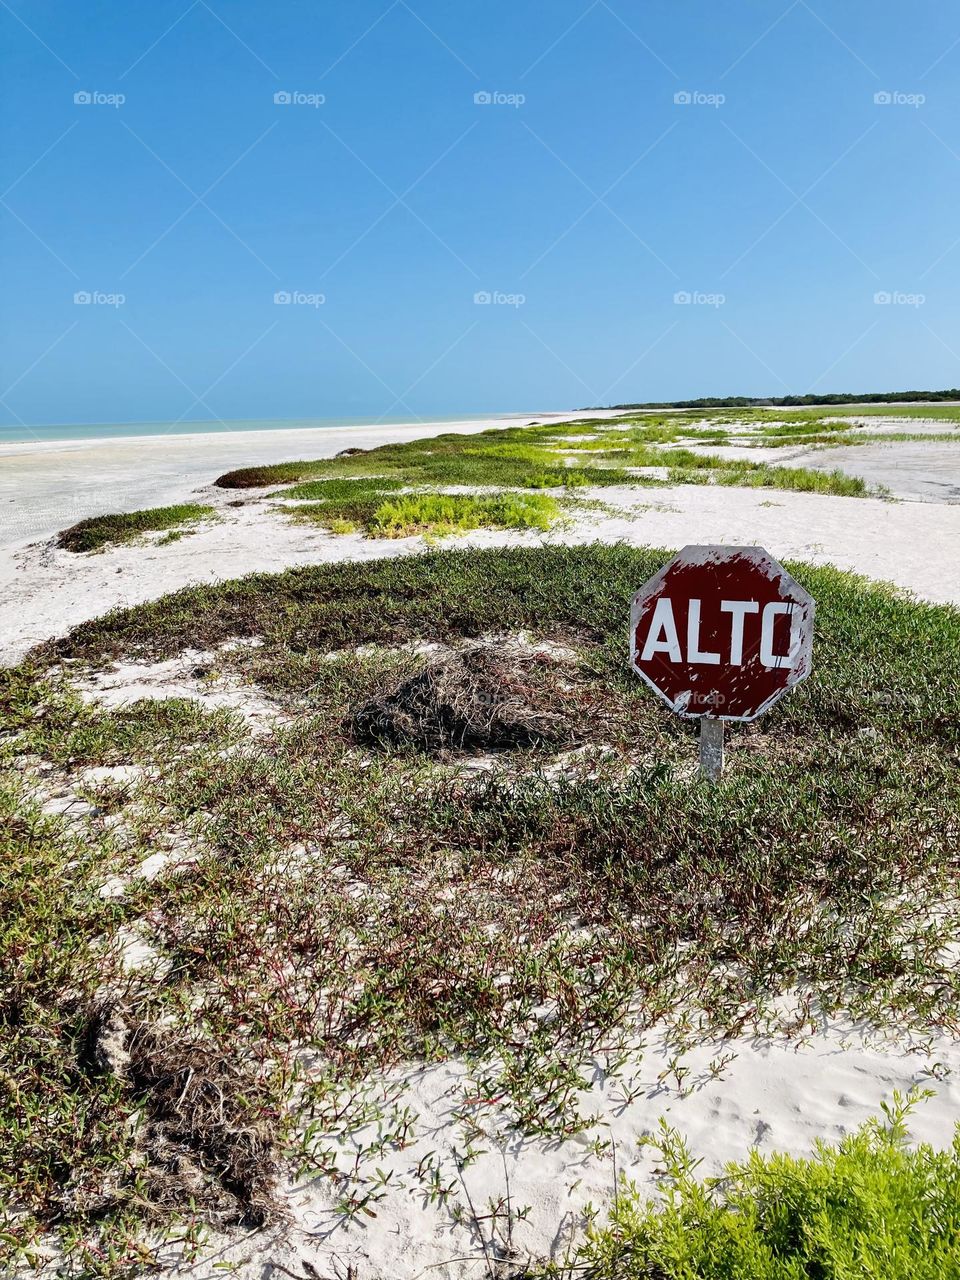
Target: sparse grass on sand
(817, 431)
(931, 410)
(869, 1207)
(99, 531)
(391, 491)
(597, 452)
(342, 898)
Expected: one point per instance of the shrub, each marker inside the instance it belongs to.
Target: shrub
(446, 513)
(870, 1208)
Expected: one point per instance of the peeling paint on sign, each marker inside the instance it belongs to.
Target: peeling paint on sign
(722, 632)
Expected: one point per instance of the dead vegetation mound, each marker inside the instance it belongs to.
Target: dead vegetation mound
(202, 1144)
(482, 698)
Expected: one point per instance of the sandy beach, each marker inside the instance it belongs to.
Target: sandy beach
(773, 1093)
(44, 488)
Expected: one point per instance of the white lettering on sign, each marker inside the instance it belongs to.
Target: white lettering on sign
(693, 639)
(739, 609)
(662, 636)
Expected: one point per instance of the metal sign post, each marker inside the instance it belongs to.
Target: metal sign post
(721, 634)
(711, 748)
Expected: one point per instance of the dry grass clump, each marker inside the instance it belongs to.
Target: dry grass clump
(201, 1140)
(482, 698)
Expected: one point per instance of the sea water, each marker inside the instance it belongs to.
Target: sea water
(17, 433)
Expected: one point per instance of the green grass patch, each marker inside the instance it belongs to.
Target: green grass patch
(338, 490)
(597, 452)
(98, 532)
(872, 1206)
(445, 513)
(433, 513)
(259, 477)
(747, 476)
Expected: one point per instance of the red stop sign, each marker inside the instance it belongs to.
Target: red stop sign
(722, 632)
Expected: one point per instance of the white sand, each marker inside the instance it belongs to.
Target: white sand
(46, 591)
(181, 677)
(923, 472)
(774, 1095)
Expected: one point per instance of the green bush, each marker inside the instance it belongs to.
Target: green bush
(446, 513)
(871, 1208)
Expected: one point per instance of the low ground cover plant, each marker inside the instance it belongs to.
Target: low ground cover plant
(382, 516)
(97, 532)
(407, 866)
(597, 452)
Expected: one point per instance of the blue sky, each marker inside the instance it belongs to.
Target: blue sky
(583, 199)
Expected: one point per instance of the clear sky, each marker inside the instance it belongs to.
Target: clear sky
(583, 198)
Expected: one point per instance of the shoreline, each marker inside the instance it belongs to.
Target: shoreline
(48, 486)
(376, 424)
(14, 448)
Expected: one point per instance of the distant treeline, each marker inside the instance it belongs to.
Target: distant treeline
(840, 397)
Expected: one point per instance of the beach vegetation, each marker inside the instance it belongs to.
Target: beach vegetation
(599, 453)
(871, 1205)
(98, 532)
(468, 834)
(336, 489)
(799, 480)
(433, 514)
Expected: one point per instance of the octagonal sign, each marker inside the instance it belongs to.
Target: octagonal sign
(722, 632)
